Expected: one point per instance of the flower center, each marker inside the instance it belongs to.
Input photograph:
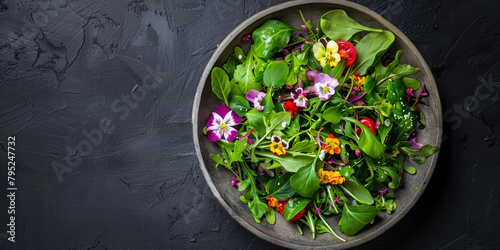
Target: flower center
(223, 126)
(329, 58)
(326, 89)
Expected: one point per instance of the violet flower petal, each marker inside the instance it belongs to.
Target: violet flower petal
(234, 180)
(252, 94)
(415, 144)
(357, 152)
(311, 74)
(352, 99)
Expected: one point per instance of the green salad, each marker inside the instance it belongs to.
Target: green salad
(317, 122)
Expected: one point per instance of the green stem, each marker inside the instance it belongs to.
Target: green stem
(328, 225)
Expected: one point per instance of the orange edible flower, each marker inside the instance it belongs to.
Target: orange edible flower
(272, 202)
(332, 177)
(332, 145)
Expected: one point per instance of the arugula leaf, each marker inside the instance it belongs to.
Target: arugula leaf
(337, 25)
(355, 217)
(271, 37)
(420, 154)
(371, 48)
(220, 84)
(333, 114)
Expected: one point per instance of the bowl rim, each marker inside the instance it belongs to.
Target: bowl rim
(261, 14)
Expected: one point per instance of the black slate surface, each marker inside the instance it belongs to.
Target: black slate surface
(98, 95)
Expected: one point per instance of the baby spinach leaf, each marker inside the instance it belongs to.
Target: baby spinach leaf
(290, 163)
(306, 181)
(358, 192)
(337, 25)
(255, 120)
(239, 54)
(275, 74)
(411, 83)
(271, 37)
(279, 187)
(235, 88)
(368, 142)
(220, 84)
(278, 120)
(355, 217)
(230, 65)
(239, 104)
(371, 48)
(333, 114)
(245, 76)
(410, 169)
(294, 206)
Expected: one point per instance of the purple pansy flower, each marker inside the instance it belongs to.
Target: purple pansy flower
(299, 97)
(324, 86)
(220, 124)
(256, 97)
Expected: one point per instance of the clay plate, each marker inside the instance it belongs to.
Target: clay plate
(285, 233)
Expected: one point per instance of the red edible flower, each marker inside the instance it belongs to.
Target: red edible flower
(291, 107)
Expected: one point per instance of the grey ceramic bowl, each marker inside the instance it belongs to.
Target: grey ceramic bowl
(285, 233)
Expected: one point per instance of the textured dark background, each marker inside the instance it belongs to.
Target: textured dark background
(71, 68)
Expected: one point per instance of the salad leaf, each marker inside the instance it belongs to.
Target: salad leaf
(355, 217)
(290, 163)
(245, 76)
(371, 48)
(220, 84)
(403, 119)
(294, 206)
(419, 155)
(255, 120)
(368, 142)
(271, 37)
(306, 181)
(278, 120)
(279, 187)
(337, 25)
(239, 104)
(276, 74)
(358, 192)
